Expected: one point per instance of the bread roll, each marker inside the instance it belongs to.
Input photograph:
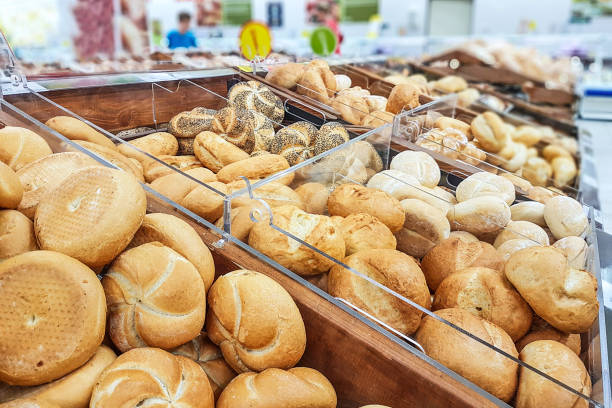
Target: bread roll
(564, 171)
(527, 135)
(393, 269)
(154, 169)
(565, 217)
(11, 190)
(363, 231)
(16, 234)
(487, 294)
(478, 363)
(403, 97)
(483, 184)
(490, 131)
(176, 186)
(541, 194)
(20, 146)
(559, 362)
(547, 332)
(28, 403)
(275, 194)
(333, 134)
(273, 388)
(185, 146)
(455, 254)
(511, 246)
(150, 374)
(75, 129)
(190, 123)
(451, 84)
(255, 322)
(287, 75)
(537, 171)
(522, 230)
(255, 96)
(256, 168)
(531, 211)
(479, 215)
(86, 216)
(467, 97)
(181, 237)
(314, 196)
(240, 219)
(418, 164)
(53, 307)
(317, 82)
(316, 230)
(354, 198)
(519, 182)
(209, 357)
(377, 118)
(575, 249)
(215, 152)
(156, 144)
(44, 175)
(565, 297)
(424, 227)
(444, 123)
(352, 107)
(112, 156)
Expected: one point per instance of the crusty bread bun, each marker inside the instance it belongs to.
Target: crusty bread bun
(363, 231)
(72, 390)
(559, 362)
(75, 129)
(537, 171)
(209, 357)
(351, 106)
(87, 218)
(16, 234)
(451, 84)
(541, 194)
(484, 184)
(487, 294)
(274, 388)
(575, 249)
(531, 211)
(317, 81)
(154, 169)
(377, 118)
(457, 253)
(393, 269)
(11, 190)
(176, 186)
(150, 374)
(565, 217)
(156, 144)
(522, 230)
(403, 97)
(256, 168)
(476, 362)
(490, 131)
(316, 230)
(114, 157)
(425, 226)
(20, 146)
(511, 246)
(180, 236)
(479, 215)
(42, 176)
(527, 135)
(563, 296)
(540, 330)
(188, 124)
(215, 152)
(287, 75)
(28, 403)
(255, 322)
(354, 198)
(53, 307)
(273, 193)
(240, 219)
(155, 298)
(444, 123)
(314, 196)
(466, 236)
(418, 164)
(564, 170)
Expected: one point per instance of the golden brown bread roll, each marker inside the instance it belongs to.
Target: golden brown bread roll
(256, 168)
(467, 97)
(444, 123)
(424, 227)
(28, 403)
(393, 269)
(53, 307)
(354, 198)
(75, 129)
(522, 230)
(352, 107)
(451, 84)
(513, 245)
(86, 216)
(527, 135)
(16, 234)
(544, 331)
(559, 362)
(418, 164)
(257, 97)
(531, 211)
(209, 357)
(564, 170)
(185, 146)
(11, 190)
(552, 151)
(377, 118)
(20, 146)
(455, 254)
(565, 297)
(575, 249)
(240, 220)
(287, 75)
(565, 217)
(512, 157)
(273, 193)
(537, 171)
(314, 196)
(403, 97)
(153, 169)
(317, 82)
(150, 374)
(215, 152)
(190, 123)
(363, 231)
(114, 157)
(485, 184)
(490, 131)
(176, 186)
(274, 388)
(181, 237)
(156, 144)
(237, 126)
(316, 230)
(480, 215)
(255, 322)
(487, 294)
(541, 194)
(490, 370)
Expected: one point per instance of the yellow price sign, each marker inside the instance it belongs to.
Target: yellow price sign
(255, 40)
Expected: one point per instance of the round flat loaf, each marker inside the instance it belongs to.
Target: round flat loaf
(53, 306)
(75, 129)
(11, 190)
(20, 146)
(16, 234)
(91, 215)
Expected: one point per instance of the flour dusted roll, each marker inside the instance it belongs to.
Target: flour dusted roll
(190, 123)
(424, 227)
(255, 322)
(564, 170)
(269, 389)
(20, 146)
(86, 216)
(114, 157)
(255, 168)
(150, 374)
(490, 131)
(565, 217)
(75, 129)
(16, 234)
(393, 269)
(155, 298)
(522, 230)
(575, 249)
(519, 182)
(11, 190)
(181, 237)
(480, 215)
(255, 96)
(418, 164)
(531, 211)
(363, 231)
(483, 184)
(293, 142)
(215, 152)
(316, 230)
(156, 144)
(53, 307)
(154, 169)
(480, 364)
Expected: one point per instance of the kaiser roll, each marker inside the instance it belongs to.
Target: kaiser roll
(155, 297)
(16, 234)
(156, 144)
(20, 146)
(152, 376)
(75, 129)
(425, 226)
(215, 152)
(393, 269)
(11, 190)
(563, 296)
(479, 215)
(255, 322)
(531, 211)
(314, 196)
(522, 230)
(418, 164)
(484, 184)
(565, 217)
(255, 96)
(478, 363)
(189, 123)
(274, 388)
(363, 231)
(575, 249)
(53, 307)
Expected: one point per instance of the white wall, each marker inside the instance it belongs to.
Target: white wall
(510, 17)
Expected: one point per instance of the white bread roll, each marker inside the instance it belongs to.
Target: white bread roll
(363, 231)
(484, 184)
(156, 144)
(419, 165)
(155, 298)
(575, 249)
(75, 129)
(255, 322)
(256, 168)
(16, 234)
(540, 330)
(513, 245)
(479, 215)
(522, 230)
(531, 211)
(424, 227)
(11, 190)
(565, 217)
(150, 374)
(20, 146)
(490, 131)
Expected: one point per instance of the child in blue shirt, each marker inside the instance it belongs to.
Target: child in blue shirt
(182, 37)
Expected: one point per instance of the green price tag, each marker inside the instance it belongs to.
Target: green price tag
(323, 41)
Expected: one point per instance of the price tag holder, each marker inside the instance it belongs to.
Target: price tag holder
(323, 41)
(255, 40)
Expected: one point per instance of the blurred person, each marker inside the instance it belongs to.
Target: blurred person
(182, 37)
